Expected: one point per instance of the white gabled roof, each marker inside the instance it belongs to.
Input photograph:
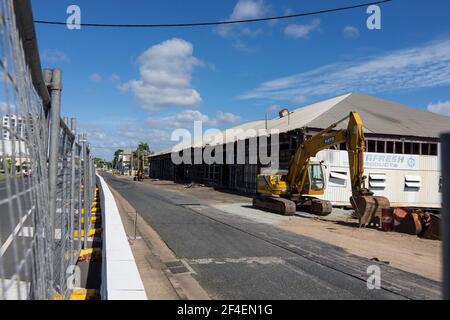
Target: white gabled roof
(300, 118)
(378, 116)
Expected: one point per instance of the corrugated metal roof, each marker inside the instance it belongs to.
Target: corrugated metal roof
(301, 117)
(385, 117)
(378, 116)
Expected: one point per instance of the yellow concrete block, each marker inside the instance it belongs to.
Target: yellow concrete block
(93, 218)
(94, 210)
(84, 294)
(91, 254)
(91, 232)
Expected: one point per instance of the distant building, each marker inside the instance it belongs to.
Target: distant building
(124, 161)
(401, 160)
(12, 140)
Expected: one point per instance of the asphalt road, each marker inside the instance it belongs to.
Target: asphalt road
(14, 213)
(236, 258)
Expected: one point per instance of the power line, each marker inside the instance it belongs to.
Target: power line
(198, 24)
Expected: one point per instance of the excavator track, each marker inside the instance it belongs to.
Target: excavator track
(275, 204)
(315, 206)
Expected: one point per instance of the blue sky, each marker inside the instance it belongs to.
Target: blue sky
(131, 85)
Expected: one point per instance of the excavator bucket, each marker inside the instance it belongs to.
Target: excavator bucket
(368, 209)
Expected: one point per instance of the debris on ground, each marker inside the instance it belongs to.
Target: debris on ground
(194, 185)
(415, 222)
(378, 260)
(433, 231)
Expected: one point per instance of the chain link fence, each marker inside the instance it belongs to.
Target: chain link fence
(47, 176)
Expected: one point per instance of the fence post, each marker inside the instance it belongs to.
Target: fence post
(73, 128)
(85, 190)
(55, 93)
(80, 193)
(445, 167)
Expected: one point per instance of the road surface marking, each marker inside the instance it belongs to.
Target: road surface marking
(14, 289)
(10, 239)
(28, 232)
(244, 260)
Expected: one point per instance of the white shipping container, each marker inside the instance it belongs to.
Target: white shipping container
(406, 180)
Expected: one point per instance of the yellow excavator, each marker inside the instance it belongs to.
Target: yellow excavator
(298, 190)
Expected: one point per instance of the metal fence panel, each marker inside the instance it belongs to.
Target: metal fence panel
(45, 178)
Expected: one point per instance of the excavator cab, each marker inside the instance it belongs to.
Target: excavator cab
(276, 184)
(314, 179)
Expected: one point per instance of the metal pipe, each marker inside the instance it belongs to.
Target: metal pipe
(86, 203)
(25, 25)
(135, 225)
(73, 125)
(55, 93)
(73, 192)
(80, 194)
(445, 167)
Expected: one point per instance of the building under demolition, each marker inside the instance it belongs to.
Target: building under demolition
(401, 159)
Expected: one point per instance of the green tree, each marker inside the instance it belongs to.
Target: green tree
(98, 162)
(142, 149)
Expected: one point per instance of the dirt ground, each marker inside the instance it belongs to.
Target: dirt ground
(405, 252)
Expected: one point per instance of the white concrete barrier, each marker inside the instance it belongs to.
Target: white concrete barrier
(120, 275)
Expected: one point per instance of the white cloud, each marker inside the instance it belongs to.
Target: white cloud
(228, 117)
(350, 32)
(186, 118)
(301, 30)
(189, 116)
(95, 77)
(105, 141)
(244, 9)
(114, 78)
(298, 99)
(424, 66)
(165, 76)
(54, 56)
(126, 133)
(242, 46)
(248, 9)
(273, 108)
(441, 107)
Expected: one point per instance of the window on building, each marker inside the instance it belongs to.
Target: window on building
(377, 180)
(416, 148)
(433, 149)
(413, 182)
(337, 179)
(425, 149)
(389, 146)
(407, 148)
(399, 147)
(371, 146)
(380, 146)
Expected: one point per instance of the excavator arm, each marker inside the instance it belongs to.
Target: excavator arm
(354, 139)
